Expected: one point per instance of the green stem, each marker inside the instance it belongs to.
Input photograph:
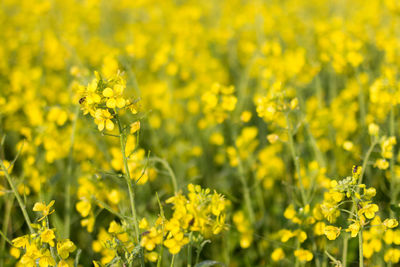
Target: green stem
(360, 248)
(353, 208)
(189, 251)
(9, 204)
(14, 189)
(295, 159)
(130, 187)
(109, 209)
(393, 178)
(173, 261)
(69, 178)
(170, 171)
(5, 238)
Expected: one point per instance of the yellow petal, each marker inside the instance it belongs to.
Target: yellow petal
(109, 125)
(108, 92)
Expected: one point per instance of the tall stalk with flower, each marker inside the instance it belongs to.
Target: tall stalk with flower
(105, 101)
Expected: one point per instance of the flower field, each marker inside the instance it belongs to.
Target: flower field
(199, 133)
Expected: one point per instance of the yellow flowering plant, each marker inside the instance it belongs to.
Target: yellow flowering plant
(129, 114)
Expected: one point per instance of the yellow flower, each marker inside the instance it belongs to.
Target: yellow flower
(46, 259)
(65, 247)
(277, 254)
(390, 223)
(289, 212)
(246, 239)
(114, 96)
(143, 224)
(303, 254)
(89, 223)
(368, 210)
(83, 207)
(63, 263)
(115, 228)
(392, 255)
(373, 129)
(245, 116)
(301, 235)
(369, 193)
(152, 256)
(382, 164)
(319, 228)
(92, 96)
(102, 118)
(332, 232)
(285, 235)
(135, 127)
(46, 210)
(15, 252)
(47, 236)
(354, 228)
(176, 242)
(151, 238)
(21, 242)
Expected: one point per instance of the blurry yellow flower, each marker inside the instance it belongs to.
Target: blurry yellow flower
(348, 145)
(245, 116)
(46, 210)
(63, 263)
(319, 228)
(15, 252)
(373, 129)
(246, 240)
(303, 254)
(382, 164)
(83, 207)
(152, 256)
(390, 223)
(135, 127)
(277, 254)
(21, 242)
(143, 224)
(332, 232)
(65, 247)
(392, 255)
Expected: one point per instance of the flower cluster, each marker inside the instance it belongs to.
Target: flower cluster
(101, 98)
(197, 215)
(42, 247)
(218, 102)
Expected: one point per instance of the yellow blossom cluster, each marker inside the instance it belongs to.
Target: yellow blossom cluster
(41, 247)
(199, 214)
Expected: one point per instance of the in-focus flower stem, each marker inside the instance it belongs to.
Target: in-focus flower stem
(393, 178)
(363, 168)
(122, 138)
(360, 248)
